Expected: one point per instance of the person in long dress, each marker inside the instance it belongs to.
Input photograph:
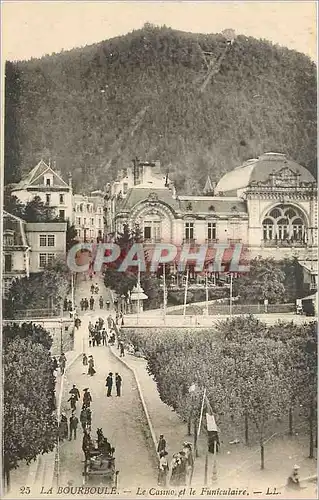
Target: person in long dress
(91, 370)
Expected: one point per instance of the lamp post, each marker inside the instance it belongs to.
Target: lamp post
(231, 295)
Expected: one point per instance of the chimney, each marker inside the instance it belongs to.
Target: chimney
(70, 179)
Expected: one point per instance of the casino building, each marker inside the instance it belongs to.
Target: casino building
(269, 204)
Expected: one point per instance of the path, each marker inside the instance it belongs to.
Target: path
(122, 419)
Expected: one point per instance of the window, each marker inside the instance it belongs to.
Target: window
(62, 214)
(48, 181)
(268, 226)
(51, 240)
(284, 223)
(81, 207)
(147, 231)
(88, 208)
(47, 199)
(8, 239)
(8, 263)
(45, 259)
(92, 222)
(84, 221)
(189, 230)
(43, 240)
(211, 231)
(47, 240)
(78, 221)
(61, 199)
(100, 223)
(125, 187)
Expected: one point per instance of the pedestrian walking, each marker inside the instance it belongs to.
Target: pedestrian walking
(91, 303)
(86, 304)
(104, 334)
(162, 469)
(87, 398)
(70, 307)
(96, 289)
(101, 302)
(84, 360)
(72, 400)
(161, 444)
(75, 391)
(109, 384)
(107, 305)
(73, 424)
(91, 370)
(63, 428)
(65, 305)
(118, 384)
(92, 288)
(121, 349)
(82, 304)
(116, 302)
(62, 363)
(55, 364)
(86, 444)
(84, 418)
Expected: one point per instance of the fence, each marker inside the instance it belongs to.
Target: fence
(36, 313)
(216, 309)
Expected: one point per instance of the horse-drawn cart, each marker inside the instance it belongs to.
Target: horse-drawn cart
(99, 467)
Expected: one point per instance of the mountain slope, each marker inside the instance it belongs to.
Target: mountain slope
(93, 109)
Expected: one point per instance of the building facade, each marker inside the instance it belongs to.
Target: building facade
(88, 216)
(47, 241)
(268, 204)
(16, 250)
(48, 184)
(30, 247)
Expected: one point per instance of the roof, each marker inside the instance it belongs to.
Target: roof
(136, 195)
(45, 227)
(184, 204)
(259, 170)
(35, 177)
(17, 226)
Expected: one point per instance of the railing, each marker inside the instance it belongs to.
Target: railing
(189, 241)
(211, 241)
(283, 243)
(36, 313)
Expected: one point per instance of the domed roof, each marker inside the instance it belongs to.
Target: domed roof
(258, 170)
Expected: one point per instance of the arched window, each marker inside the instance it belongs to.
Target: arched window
(268, 229)
(284, 223)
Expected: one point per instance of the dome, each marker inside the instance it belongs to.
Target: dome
(258, 170)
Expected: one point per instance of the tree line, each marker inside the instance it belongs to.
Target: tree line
(254, 374)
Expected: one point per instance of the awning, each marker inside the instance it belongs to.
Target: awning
(311, 297)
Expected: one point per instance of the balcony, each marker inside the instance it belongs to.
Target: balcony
(150, 241)
(283, 244)
(189, 241)
(211, 241)
(233, 241)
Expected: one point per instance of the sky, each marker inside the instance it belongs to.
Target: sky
(33, 29)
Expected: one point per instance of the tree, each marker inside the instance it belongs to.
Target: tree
(37, 211)
(71, 236)
(28, 331)
(265, 280)
(12, 150)
(42, 290)
(30, 426)
(12, 204)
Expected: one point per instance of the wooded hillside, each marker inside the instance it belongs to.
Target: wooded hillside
(93, 109)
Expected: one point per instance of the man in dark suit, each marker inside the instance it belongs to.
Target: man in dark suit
(118, 383)
(109, 384)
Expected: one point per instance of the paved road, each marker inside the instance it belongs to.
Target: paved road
(122, 419)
